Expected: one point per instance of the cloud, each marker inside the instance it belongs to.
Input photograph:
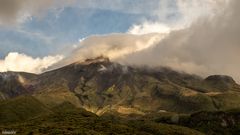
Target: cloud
(209, 46)
(193, 9)
(204, 41)
(206, 45)
(21, 62)
(149, 27)
(17, 11)
(113, 46)
(180, 16)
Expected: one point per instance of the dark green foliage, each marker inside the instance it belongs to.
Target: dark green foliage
(211, 123)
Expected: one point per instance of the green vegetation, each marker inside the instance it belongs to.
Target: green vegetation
(209, 122)
(20, 109)
(67, 119)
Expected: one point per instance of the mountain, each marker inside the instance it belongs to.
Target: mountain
(112, 90)
(99, 85)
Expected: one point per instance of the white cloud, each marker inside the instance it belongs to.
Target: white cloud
(149, 27)
(21, 62)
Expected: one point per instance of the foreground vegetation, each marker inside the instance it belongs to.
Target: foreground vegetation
(19, 115)
(26, 115)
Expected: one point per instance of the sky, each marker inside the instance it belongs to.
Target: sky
(58, 26)
(192, 36)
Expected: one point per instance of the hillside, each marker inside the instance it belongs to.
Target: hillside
(20, 109)
(67, 119)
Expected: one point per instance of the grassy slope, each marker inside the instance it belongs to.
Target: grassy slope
(21, 108)
(27, 115)
(24, 117)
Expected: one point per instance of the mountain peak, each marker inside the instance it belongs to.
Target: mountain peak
(99, 59)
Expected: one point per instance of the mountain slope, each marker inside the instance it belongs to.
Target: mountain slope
(13, 84)
(99, 85)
